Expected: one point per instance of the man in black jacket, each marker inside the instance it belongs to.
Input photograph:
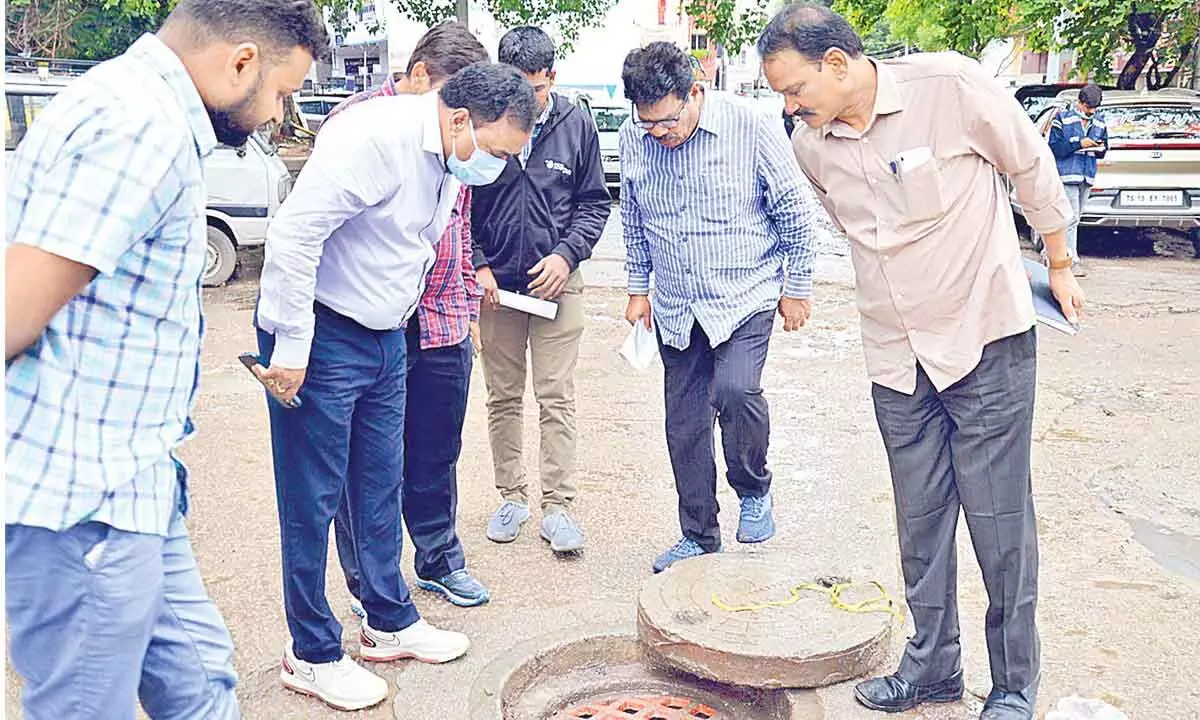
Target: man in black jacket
(532, 228)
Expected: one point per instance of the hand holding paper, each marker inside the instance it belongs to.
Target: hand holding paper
(641, 347)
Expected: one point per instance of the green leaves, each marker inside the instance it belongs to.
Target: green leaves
(967, 26)
(566, 18)
(1157, 32)
(1097, 29)
(726, 25)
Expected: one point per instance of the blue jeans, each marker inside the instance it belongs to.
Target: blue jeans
(345, 440)
(101, 618)
(438, 383)
(1077, 194)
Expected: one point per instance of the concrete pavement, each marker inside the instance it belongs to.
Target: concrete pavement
(1115, 461)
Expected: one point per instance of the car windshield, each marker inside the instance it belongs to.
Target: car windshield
(1152, 122)
(609, 119)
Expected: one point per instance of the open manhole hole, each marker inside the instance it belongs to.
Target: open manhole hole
(645, 707)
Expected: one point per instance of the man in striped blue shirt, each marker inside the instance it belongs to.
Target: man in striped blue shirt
(714, 206)
(105, 252)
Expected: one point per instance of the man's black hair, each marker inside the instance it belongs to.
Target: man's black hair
(446, 49)
(276, 26)
(528, 49)
(652, 73)
(490, 91)
(811, 30)
(1091, 95)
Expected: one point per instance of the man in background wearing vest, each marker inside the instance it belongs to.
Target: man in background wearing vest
(1078, 139)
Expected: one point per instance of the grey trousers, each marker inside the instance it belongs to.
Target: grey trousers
(968, 446)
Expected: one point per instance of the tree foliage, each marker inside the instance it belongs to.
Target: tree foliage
(967, 27)
(1157, 33)
(80, 29)
(565, 18)
(728, 26)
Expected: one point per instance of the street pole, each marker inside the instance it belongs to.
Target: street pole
(460, 10)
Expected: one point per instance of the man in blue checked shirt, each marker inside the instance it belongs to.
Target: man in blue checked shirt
(105, 252)
(716, 208)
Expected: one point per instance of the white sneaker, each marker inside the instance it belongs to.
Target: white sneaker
(419, 641)
(344, 685)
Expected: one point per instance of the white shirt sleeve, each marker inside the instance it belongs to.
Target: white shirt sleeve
(352, 168)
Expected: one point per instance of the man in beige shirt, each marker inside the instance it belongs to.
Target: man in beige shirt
(907, 156)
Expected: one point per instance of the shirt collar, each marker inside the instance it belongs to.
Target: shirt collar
(546, 113)
(888, 101)
(712, 114)
(431, 139)
(154, 53)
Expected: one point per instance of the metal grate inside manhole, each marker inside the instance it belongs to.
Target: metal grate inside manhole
(653, 707)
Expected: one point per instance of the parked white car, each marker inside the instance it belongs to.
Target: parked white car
(315, 108)
(245, 185)
(609, 119)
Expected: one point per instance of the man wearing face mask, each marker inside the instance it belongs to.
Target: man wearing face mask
(1079, 140)
(440, 355)
(346, 261)
(531, 230)
(105, 252)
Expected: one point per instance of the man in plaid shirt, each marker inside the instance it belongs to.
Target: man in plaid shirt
(105, 252)
(440, 355)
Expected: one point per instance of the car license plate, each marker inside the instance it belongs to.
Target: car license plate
(1152, 198)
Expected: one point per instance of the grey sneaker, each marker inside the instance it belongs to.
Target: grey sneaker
(458, 587)
(561, 531)
(505, 525)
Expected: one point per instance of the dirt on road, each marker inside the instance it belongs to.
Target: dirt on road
(1115, 458)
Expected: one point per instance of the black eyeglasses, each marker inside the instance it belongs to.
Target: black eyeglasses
(667, 123)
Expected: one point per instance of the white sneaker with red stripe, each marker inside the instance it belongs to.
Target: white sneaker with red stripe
(419, 641)
(343, 685)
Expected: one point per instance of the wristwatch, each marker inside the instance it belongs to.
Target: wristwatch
(1059, 264)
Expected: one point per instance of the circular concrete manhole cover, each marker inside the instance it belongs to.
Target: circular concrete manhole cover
(762, 620)
(655, 707)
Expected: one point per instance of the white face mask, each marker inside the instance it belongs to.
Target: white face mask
(480, 169)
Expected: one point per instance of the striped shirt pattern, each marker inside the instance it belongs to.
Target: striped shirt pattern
(719, 221)
(110, 175)
(452, 294)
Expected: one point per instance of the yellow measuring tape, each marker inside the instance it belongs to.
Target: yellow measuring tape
(832, 588)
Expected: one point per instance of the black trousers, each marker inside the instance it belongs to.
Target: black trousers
(704, 385)
(968, 447)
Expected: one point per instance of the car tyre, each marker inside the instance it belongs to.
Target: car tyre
(221, 258)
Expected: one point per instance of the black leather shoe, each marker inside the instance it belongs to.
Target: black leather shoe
(1007, 706)
(895, 694)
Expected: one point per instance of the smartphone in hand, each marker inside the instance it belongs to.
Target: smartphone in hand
(250, 360)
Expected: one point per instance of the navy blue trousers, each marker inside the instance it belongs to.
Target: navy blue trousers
(704, 385)
(438, 383)
(345, 441)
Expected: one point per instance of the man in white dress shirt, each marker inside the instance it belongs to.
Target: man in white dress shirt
(345, 267)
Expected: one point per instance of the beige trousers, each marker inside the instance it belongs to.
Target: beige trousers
(553, 349)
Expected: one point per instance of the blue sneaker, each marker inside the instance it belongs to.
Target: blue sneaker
(505, 525)
(682, 550)
(458, 587)
(756, 523)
